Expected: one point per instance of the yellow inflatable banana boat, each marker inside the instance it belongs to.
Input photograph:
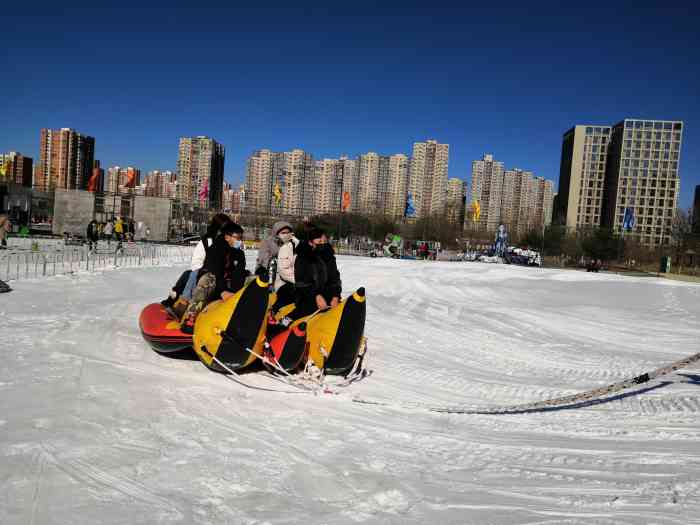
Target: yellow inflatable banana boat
(228, 329)
(334, 337)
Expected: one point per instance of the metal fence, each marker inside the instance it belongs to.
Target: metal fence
(21, 263)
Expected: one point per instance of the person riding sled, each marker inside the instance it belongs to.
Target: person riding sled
(181, 294)
(221, 276)
(284, 280)
(317, 279)
(280, 233)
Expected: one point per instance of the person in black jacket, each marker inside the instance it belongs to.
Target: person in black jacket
(316, 276)
(92, 234)
(222, 275)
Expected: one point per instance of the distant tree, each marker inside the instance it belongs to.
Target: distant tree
(681, 232)
(602, 244)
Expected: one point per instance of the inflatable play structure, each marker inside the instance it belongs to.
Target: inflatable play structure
(233, 334)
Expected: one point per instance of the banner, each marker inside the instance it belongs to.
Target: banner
(346, 201)
(629, 221)
(204, 192)
(94, 179)
(277, 192)
(410, 210)
(476, 211)
(130, 178)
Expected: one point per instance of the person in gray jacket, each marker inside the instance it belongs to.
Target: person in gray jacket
(281, 232)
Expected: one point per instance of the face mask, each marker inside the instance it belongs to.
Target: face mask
(237, 244)
(285, 237)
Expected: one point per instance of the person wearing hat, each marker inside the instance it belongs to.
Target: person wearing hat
(317, 279)
(280, 234)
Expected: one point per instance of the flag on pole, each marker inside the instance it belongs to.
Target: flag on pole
(410, 210)
(204, 192)
(277, 192)
(476, 211)
(629, 221)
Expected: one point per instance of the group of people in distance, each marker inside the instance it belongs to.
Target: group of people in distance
(305, 271)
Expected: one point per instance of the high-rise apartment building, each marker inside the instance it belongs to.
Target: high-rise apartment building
(200, 168)
(428, 177)
(16, 168)
(329, 175)
(281, 183)
(368, 183)
(517, 201)
(300, 185)
(397, 185)
(456, 194)
(584, 157)
(122, 180)
(350, 175)
(542, 199)
(630, 168)
(66, 159)
(231, 198)
(159, 184)
(642, 177)
(515, 198)
(487, 190)
(258, 180)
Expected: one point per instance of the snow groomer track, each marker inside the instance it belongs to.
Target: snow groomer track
(96, 427)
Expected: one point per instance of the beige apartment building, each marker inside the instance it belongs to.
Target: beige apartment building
(122, 180)
(18, 169)
(397, 185)
(456, 194)
(428, 177)
(329, 174)
(368, 180)
(200, 168)
(582, 176)
(159, 183)
(66, 159)
(517, 202)
(643, 176)
(515, 198)
(259, 180)
(487, 190)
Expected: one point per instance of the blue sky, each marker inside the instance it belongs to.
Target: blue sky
(506, 79)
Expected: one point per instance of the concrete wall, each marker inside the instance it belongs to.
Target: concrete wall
(73, 210)
(152, 213)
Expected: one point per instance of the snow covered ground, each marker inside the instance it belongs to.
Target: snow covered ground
(97, 428)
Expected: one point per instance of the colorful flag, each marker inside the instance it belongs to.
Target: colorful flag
(204, 192)
(346, 201)
(277, 192)
(410, 210)
(476, 211)
(629, 221)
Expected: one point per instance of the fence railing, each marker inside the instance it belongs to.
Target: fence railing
(22, 264)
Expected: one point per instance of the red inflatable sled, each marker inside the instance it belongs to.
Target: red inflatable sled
(161, 331)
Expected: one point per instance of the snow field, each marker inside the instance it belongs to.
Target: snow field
(97, 428)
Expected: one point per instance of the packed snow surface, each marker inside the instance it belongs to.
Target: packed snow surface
(97, 428)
